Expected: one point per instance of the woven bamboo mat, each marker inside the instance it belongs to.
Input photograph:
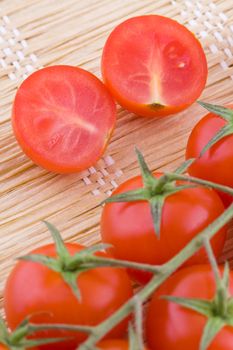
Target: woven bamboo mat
(36, 33)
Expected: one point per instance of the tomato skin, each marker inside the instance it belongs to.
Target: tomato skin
(129, 228)
(63, 118)
(114, 344)
(34, 289)
(216, 163)
(3, 347)
(169, 326)
(145, 63)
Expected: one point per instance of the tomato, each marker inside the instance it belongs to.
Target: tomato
(153, 66)
(129, 227)
(34, 289)
(114, 344)
(173, 327)
(216, 163)
(4, 347)
(63, 118)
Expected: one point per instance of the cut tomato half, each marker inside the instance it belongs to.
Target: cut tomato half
(63, 118)
(154, 66)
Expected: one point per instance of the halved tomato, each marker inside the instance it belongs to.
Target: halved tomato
(63, 118)
(153, 65)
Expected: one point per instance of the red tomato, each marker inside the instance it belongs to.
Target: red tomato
(63, 118)
(114, 344)
(216, 163)
(3, 347)
(129, 228)
(34, 289)
(154, 66)
(173, 327)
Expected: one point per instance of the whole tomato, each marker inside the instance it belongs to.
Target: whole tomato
(114, 344)
(34, 289)
(128, 226)
(217, 162)
(174, 327)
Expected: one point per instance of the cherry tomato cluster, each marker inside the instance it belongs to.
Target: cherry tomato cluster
(63, 118)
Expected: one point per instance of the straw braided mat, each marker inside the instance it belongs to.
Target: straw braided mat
(35, 33)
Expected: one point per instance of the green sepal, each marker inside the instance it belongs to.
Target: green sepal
(71, 279)
(61, 249)
(155, 190)
(17, 340)
(226, 114)
(3, 329)
(69, 267)
(78, 263)
(201, 306)
(147, 177)
(51, 263)
(156, 207)
(129, 196)
(219, 310)
(212, 328)
(83, 259)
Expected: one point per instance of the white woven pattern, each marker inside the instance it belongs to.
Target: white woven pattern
(215, 24)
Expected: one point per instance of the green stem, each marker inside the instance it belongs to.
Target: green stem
(96, 261)
(32, 328)
(18, 334)
(138, 316)
(226, 189)
(166, 270)
(213, 261)
(159, 184)
(222, 293)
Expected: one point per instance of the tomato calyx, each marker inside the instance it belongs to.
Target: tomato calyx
(69, 267)
(154, 191)
(226, 130)
(219, 310)
(17, 340)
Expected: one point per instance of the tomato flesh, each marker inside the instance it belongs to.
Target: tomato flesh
(216, 164)
(128, 227)
(63, 118)
(153, 65)
(170, 326)
(34, 289)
